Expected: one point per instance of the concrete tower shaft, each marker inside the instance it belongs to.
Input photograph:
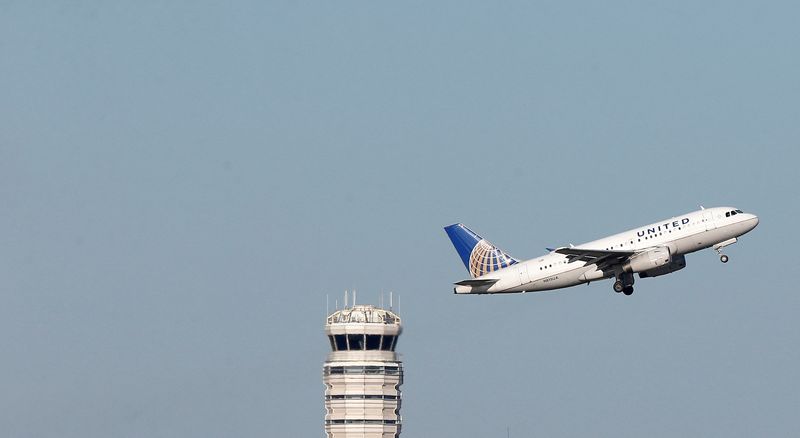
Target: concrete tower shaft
(363, 374)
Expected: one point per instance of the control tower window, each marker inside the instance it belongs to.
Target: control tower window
(341, 342)
(356, 342)
(392, 370)
(373, 370)
(336, 370)
(388, 340)
(333, 344)
(373, 342)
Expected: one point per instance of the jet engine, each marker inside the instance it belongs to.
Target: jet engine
(678, 262)
(648, 260)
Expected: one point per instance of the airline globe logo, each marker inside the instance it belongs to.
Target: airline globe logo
(486, 258)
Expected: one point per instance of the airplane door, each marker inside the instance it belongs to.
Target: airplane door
(708, 220)
(523, 274)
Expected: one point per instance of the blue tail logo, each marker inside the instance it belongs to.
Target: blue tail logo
(479, 256)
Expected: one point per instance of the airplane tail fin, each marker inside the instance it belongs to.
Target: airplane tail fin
(478, 254)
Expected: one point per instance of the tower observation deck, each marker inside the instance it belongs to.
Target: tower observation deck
(362, 374)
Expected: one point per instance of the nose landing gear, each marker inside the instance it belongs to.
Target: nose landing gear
(718, 248)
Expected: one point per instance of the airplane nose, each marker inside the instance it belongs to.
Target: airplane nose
(752, 222)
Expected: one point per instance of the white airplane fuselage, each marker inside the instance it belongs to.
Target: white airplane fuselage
(680, 235)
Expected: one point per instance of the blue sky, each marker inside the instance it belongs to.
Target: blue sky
(183, 183)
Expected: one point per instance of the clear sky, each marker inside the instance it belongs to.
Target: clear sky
(182, 183)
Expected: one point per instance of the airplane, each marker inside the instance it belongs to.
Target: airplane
(651, 250)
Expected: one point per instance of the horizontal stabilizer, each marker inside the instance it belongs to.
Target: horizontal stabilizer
(478, 283)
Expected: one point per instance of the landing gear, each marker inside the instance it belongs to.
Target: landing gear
(624, 283)
(718, 248)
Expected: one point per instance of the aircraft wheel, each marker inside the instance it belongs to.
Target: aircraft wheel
(618, 286)
(628, 290)
(723, 258)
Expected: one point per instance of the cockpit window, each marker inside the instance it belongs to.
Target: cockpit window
(733, 212)
(739, 211)
(727, 214)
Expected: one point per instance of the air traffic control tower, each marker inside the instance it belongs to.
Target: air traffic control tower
(362, 374)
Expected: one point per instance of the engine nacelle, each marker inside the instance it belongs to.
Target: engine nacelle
(648, 260)
(678, 262)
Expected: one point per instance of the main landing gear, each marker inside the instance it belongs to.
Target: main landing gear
(624, 284)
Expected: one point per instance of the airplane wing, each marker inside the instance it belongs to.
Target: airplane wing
(602, 258)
